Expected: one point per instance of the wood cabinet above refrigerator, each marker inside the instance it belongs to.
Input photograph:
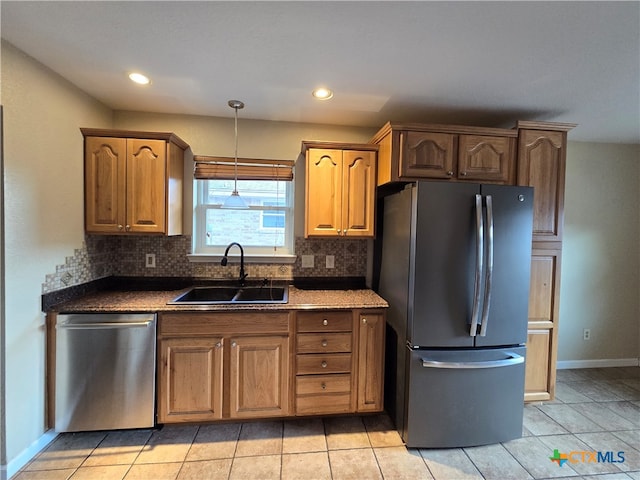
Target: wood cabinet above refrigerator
(410, 152)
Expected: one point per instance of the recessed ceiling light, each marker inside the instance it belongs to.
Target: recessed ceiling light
(322, 93)
(139, 78)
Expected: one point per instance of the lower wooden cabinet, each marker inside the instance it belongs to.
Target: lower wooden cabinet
(544, 308)
(190, 371)
(216, 366)
(259, 376)
(370, 362)
(324, 362)
(339, 362)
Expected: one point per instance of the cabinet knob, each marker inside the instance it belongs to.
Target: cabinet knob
(120, 227)
(450, 173)
(323, 386)
(324, 364)
(339, 231)
(324, 343)
(218, 345)
(344, 232)
(127, 227)
(325, 322)
(364, 320)
(233, 344)
(463, 174)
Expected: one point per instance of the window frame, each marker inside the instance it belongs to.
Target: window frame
(256, 254)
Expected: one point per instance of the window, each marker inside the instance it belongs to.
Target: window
(264, 229)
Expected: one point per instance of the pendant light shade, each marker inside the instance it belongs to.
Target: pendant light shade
(234, 200)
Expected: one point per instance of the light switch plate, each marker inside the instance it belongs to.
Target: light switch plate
(307, 261)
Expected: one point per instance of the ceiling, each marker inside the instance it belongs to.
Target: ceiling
(472, 63)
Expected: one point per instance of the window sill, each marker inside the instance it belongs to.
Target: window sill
(248, 258)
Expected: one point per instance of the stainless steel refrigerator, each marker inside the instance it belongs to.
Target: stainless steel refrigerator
(454, 265)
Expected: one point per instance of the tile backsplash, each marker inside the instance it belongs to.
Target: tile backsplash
(103, 255)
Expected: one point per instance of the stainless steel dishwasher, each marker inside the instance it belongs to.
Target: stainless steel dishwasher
(105, 371)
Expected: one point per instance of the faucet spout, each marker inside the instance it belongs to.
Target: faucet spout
(224, 260)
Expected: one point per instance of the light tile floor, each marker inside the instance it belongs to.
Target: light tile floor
(594, 410)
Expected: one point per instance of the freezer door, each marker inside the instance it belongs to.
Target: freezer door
(506, 295)
(463, 398)
(441, 285)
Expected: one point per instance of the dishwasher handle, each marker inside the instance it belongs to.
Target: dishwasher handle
(105, 325)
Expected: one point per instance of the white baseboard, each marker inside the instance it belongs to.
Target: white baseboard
(31, 451)
(605, 362)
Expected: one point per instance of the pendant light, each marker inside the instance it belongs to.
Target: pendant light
(234, 200)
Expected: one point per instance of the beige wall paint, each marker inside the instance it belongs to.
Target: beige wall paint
(43, 195)
(601, 253)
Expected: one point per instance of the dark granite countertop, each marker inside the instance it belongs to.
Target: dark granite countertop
(156, 300)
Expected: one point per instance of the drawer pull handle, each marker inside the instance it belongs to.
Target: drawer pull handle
(324, 364)
(324, 386)
(324, 343)
(325, 322)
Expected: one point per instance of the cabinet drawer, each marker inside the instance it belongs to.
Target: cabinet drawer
(320, 404)
(323, 342)
(323, 384)
(318, 364)
(325, 321)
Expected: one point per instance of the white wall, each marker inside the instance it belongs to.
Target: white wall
(601, 253)
(43, 202)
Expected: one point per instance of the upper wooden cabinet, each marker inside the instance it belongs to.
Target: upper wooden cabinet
(416, 151)
(542, 149)
(339, 189)
(133, 182)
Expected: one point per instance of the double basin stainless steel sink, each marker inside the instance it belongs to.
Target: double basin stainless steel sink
(221, 295)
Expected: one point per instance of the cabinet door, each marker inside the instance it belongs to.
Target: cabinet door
(370, 362)
(487, 159)
(323, 205)
(537, 371)
(542, 336)
(105, 177)
(259, 376)
(146, 186)
(427, 155)
(190, 380)
(541, 164)
(359, 183)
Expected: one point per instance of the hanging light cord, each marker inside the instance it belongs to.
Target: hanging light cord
(235, 183)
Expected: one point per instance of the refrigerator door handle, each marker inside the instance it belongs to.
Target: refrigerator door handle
(486, 303)
(475, 313)
(512, 359)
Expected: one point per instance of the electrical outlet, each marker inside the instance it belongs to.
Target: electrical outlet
(307, 261)
(330, 261)
(150, 260)
(586, 334)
